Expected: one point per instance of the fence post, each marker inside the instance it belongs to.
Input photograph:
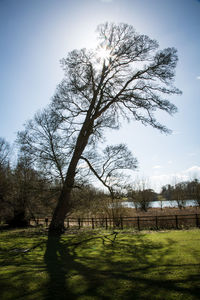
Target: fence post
(46, 221)
(176, 217)
(92, 223)
(121, 221)
(197, 221)
(138, 222)
(106, 223)
(157, 222)
(79, 223)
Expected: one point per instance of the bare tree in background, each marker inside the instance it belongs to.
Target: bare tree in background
(4, 152)
(5, 177)
(46, 144)
(125, 78)
(141, 194)
(194, 190)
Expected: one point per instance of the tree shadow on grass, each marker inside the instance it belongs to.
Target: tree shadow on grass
(92, 265)
(59, 262)
(21, 264)
(129, 267)
(68, 277)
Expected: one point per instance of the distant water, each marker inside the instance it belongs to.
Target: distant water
(157, 204)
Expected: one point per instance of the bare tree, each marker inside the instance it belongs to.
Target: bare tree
(125, 77)
(4, 152)
(180, 194)
(141, 195)
(5, 177)
(28, 192)
(107, 169)
(194, 190)
(46, 145)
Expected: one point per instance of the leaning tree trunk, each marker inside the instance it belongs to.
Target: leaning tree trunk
(64, 204)
(62, 208)
(64, 201)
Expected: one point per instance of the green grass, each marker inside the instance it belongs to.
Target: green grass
(88, 265)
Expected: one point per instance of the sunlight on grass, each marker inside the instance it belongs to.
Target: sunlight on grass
(100, 264)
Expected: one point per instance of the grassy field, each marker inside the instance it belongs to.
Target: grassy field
(100, 265)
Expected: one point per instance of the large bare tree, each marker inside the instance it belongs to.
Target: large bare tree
(125, 77)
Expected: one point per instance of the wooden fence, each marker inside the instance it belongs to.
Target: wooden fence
(138, 223)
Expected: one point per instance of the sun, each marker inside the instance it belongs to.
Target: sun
(103, 54)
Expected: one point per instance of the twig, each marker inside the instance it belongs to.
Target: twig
(97, 237)
(20, 250)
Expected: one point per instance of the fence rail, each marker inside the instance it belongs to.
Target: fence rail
(139, 222)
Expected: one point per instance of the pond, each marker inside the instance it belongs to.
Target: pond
(158, 204)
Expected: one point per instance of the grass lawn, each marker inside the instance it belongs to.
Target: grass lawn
(100, 265)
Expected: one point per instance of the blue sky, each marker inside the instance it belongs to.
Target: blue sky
(36, 34)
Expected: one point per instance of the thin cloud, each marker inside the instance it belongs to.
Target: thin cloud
(194, 170)
(157, 167)
(198, 77)
(173, 178)
(107, 1)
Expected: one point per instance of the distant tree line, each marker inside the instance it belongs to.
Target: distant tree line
(27, 192)
(142, 197)
(182, 191)
(24, 192)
